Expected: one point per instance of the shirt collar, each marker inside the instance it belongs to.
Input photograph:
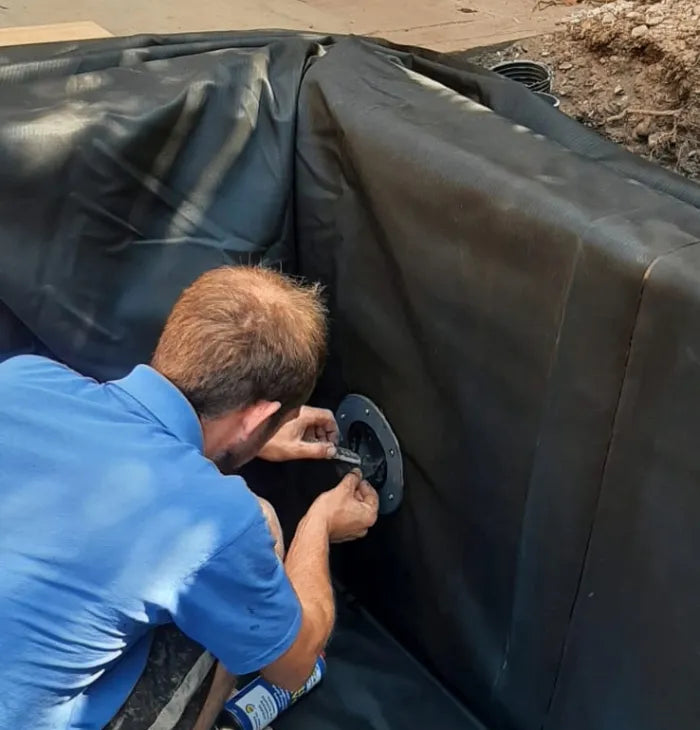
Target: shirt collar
(164, 401)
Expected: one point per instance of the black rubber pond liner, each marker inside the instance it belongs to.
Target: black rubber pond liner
(534, 75)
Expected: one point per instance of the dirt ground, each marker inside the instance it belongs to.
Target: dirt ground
(631, 70)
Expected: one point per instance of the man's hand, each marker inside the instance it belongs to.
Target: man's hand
(313, 434)
(344, 513)
(350, 509)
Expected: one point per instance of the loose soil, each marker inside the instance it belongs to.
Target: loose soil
(630, 70)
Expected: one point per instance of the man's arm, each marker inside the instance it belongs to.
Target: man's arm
(250, 610)
(309, 574)
(345, 513)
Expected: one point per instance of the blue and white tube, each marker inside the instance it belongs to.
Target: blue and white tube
(259, 703)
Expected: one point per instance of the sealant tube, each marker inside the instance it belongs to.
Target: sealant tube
(259, 703)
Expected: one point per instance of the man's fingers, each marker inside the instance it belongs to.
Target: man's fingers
(364, 488)
(351, 481)
(326, 419)
(322, 420)
(332, 432)
(368, 494)
(315, 450)
(371, 502)
(318, 417)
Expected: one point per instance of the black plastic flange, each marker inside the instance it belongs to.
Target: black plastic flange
(358, 409)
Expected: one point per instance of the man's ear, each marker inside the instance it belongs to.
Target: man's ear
(255, 415)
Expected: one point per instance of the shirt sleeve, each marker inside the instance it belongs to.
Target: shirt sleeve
(240, 604)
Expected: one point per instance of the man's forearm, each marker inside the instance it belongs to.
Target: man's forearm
(341, 514)
(309, 572)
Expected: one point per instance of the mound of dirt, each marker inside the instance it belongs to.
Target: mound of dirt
(631, 70)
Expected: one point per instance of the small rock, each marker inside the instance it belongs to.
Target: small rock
(634, 15)
(566, 66)
(544, 54)
(654, 139)
(619, 91)
(614, 58)
(643, 129)
(603, 61)
(608, 19)
(638, 31)
(652, 20)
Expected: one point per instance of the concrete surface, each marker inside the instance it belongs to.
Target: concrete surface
(440, 24)
(22, 35)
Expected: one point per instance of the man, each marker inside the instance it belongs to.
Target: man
(115, 520)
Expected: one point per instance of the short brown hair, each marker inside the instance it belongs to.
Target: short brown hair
(239, 335)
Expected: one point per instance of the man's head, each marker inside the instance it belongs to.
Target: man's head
(245, 346)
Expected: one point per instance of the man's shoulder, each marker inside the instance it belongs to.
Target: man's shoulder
(27, 368)
(207, 492)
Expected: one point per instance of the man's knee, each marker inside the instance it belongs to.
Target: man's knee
(274, 525)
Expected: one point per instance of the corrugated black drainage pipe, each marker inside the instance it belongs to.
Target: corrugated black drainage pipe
(536, 76)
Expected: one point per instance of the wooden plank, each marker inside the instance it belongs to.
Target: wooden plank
(77, 31)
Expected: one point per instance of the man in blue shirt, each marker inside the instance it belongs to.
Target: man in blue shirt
(114, 519)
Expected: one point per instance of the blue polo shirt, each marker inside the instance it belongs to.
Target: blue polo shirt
(112, 522)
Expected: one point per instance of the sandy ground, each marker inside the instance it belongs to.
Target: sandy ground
(440, 24)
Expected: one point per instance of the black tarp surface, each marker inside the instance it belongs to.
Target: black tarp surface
(487, 301)
(635, 628)
(126, 165)
(517, 295)
(373, 684)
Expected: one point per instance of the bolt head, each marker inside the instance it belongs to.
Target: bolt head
(366, 411)
(391, 497)
(391, 452)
